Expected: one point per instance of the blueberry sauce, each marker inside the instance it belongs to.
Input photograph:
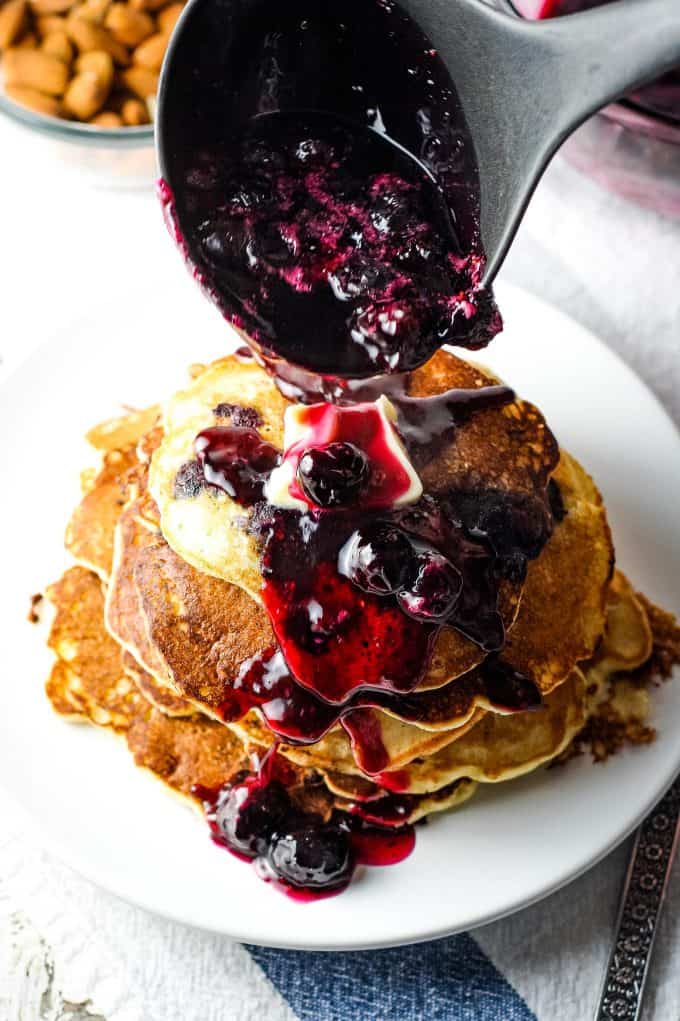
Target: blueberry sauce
(357, 590)
(394, 808)
(308, 856)
(236, 460)
(334, 475)
(426, 424)
(239, 415)
(337, 251)
(357, 598)
(297, 715)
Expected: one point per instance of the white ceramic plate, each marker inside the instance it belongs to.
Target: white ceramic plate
(510, 845)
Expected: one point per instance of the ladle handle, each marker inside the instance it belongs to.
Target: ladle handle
(600, 54)
(537, 82)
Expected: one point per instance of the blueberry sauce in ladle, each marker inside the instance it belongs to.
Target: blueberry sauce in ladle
(322, 183)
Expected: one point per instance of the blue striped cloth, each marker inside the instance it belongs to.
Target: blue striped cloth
(447, 980)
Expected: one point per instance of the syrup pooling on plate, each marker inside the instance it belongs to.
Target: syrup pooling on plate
(306, 855)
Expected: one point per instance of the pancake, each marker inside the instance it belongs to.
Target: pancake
(183, 630)
(562, 616)
(628, 640)
(204, 664)
(89, 533)
(203, 630)
(408, 808)
(209, 530)
(509, 448)
(121, 441)
(87, 680)
(503, 746)
(90, 685)
(449, 713)
(123, 431)
(136, 529)
(159, 695)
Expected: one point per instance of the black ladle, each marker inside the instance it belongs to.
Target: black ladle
(523, 86)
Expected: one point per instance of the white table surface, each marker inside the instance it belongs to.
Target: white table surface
(65, 245)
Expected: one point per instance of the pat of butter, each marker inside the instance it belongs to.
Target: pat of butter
(317, 425)
(277, 488)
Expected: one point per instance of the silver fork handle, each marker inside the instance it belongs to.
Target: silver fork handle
(642, 898)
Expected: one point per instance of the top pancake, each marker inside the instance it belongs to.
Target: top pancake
(508, 448)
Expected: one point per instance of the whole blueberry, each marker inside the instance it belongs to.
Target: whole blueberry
(247, 816)
(313, 856)
(377, 558)
(334, 475)
(433, 589)
(223, 242)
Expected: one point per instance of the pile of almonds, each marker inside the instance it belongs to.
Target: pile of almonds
(86, 60)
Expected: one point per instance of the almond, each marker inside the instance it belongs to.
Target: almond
(98, 61)
(140, 81)
(134, 112)
(151, 52)
(12, 22)
(107, 119)
(92, 10)
(32, 69)
(167, 18)
(57, 45)
(85, 95)
(49, 24)
(88, 36)
(50, 6)
(34, 100)
(128, 26)
(148, 5)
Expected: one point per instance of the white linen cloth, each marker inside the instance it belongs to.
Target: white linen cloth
(71, 951)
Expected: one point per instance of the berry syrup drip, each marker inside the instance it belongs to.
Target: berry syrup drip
(298, 716)
(494, 680)
(426, 424)
(357, 600)
(308, 857)
(393, 809)
(236, 460)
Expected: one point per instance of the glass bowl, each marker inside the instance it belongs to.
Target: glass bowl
(629, 149)
(103, 157)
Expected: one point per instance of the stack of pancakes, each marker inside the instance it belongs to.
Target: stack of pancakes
(155, 624)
